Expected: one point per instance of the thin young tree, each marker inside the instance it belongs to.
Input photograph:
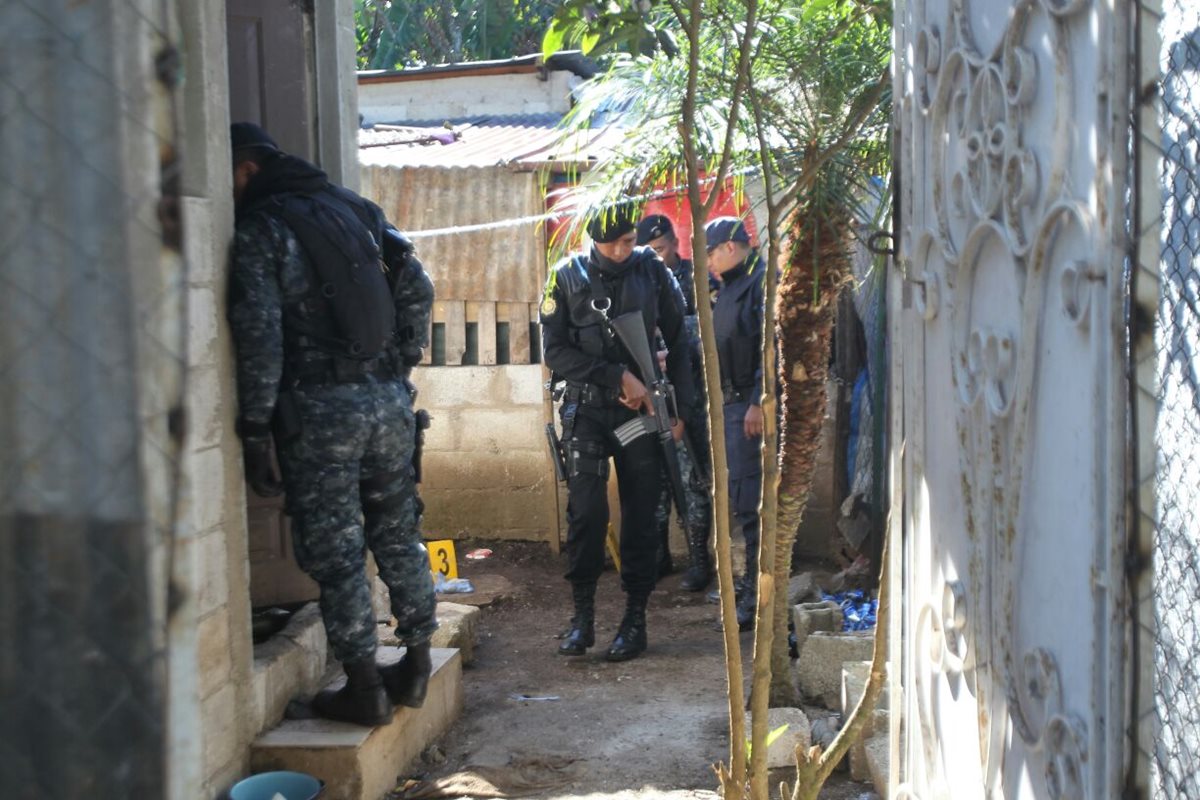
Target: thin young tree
(796, 93)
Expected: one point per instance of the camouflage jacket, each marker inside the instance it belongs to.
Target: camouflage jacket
(269, 273)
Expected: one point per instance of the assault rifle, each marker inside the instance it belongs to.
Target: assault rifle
(630, 329)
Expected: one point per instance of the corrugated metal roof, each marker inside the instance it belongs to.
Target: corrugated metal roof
(522, 142)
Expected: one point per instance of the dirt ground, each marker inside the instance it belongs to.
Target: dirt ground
(647, 728)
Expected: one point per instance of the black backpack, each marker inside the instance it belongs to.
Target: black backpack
(348, 274)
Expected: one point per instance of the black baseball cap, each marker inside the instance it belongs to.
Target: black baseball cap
(725, 229)
(245, 135)
(654, 227)
(612, 223)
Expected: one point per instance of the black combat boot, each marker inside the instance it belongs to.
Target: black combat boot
(362, 700)
(631, 636)
(582, 634)
(407, 680)
(748, 599)
(739, 589)
(746, 608)
(699, 572)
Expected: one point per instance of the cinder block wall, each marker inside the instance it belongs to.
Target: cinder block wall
(487, 471)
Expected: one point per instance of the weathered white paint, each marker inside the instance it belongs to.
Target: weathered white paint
(467, 96)
(1009, 359)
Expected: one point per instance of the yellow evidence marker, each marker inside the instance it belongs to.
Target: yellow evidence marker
(442, 558)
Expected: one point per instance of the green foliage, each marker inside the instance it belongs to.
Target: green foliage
(819, 76)
(636, 27)
(393, 34)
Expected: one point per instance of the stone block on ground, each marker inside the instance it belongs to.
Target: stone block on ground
(877, 724)
(854, 682)
(805, 587)
(819, 669)
(808, 618)
(358, 763)
(458, 626)
(878, 753)
(782, 751)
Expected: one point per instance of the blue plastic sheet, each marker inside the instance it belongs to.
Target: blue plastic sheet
(858, 610)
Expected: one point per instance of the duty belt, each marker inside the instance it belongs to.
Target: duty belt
(735, 395)
(592, 394)
(325, 371)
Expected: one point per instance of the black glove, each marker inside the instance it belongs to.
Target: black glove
(260, 468)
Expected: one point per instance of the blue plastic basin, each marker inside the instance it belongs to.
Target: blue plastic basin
(265, 785)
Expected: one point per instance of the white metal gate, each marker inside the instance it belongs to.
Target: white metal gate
(1008, 332)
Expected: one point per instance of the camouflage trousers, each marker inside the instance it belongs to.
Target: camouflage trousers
(349, 484)
(698, 516)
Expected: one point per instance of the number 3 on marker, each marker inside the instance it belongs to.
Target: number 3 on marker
(441, 557)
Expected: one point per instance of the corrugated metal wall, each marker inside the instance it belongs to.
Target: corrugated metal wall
(505, 264)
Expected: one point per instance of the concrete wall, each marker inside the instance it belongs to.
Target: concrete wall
(487, 471)
(215, 703)
(211, 562)
(466, 96)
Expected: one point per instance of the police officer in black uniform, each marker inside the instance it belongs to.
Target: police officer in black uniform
(737, 327)
(656, 232)
(583, 292)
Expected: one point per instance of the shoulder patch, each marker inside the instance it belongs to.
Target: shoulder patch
(549, 306)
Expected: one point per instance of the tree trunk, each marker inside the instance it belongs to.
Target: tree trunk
(818, 265)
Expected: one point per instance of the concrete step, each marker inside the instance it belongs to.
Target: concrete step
(360, 763)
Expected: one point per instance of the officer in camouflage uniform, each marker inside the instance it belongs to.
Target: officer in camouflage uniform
(657, 233)
(343, 427)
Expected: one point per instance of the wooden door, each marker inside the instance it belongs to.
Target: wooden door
(270, 83)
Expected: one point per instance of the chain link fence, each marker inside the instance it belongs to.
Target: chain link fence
(92, 349)
(1170, 159)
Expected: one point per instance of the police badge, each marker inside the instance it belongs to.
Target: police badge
(549, 307)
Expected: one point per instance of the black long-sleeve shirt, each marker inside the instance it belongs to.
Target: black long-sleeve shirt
(574, 342)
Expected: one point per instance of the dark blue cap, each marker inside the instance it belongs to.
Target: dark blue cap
(243, 135)
(725, 229)
(654, 227)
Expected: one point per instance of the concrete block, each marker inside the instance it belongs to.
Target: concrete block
(513, 470)
(214, 660)
(854, 682)
(203, 322)
(205, 407)
(497, 430)
(878, 755)
(525, 384)
(359, 763)
(860, 768)
(458, 627)
(803, 587)
(219, 721)
(205, 498)
(480, 513)
(819, 669)
(213, 567)
(456, 387)
(782, 752)
(290, 664)
(807, 618)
